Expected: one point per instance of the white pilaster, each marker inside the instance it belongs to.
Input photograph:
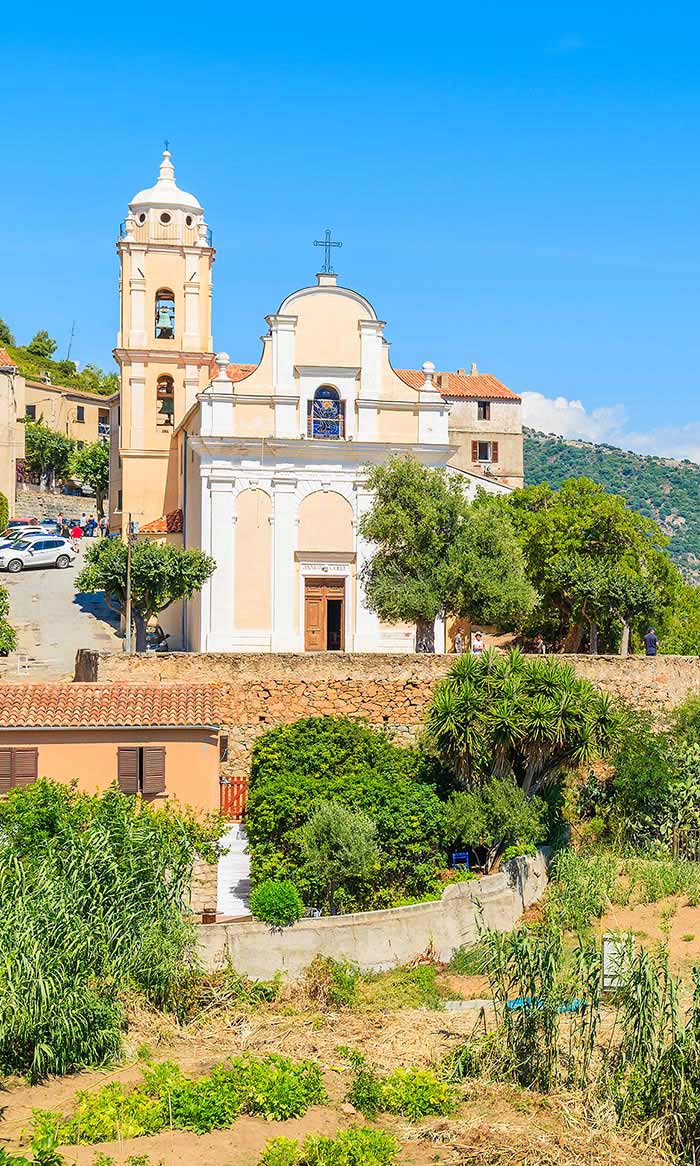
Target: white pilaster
(222, 543)
(191, 339)
(137, 298)
(370, 378)
(285, 532)
(191, 385)
(283, 329)
(433, 411)
(366, 621)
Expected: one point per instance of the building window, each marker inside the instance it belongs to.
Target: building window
(326, 414)
(165, 314)
(30, 412)
(18, 767)
(80, 413)
(141, 770)
(165, 392)
(485, 451)
(103, 425)
(119, 499)
(223, 748)
(483, 410)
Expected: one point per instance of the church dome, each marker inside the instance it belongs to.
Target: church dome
(166, 191)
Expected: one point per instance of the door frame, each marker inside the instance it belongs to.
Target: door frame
(337, 585)
(333, 565)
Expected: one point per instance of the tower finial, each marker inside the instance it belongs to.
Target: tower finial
(167, 170)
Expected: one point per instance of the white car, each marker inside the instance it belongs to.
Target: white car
(37, 552)
(14, 532)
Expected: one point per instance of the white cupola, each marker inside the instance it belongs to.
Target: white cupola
(166, 192)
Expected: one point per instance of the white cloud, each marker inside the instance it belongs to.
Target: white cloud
(570, 418)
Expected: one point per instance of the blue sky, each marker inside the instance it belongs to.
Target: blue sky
(514, 184)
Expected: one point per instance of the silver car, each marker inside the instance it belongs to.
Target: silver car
(37, 552)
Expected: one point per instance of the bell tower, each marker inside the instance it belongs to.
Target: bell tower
(164, 345)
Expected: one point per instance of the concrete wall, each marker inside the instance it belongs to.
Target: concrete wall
(377, 940)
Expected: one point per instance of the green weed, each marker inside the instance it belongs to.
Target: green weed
(416, 987)
(355, 1147)
(331, 983)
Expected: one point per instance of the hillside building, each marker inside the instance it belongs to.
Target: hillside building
(262, 465)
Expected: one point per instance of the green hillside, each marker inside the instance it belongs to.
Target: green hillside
(660, 488)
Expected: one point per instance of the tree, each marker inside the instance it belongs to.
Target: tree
(436, 553)
(94, 380)
(42, 344)
(596, 564)
(91, 465)
(338, 846)
(160, 575)
(532, 718)
(8, 641)
(6, 336)
(47, 453)
(492, 816)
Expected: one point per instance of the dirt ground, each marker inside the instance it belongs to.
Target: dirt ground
(494, 1125)
(670, 921)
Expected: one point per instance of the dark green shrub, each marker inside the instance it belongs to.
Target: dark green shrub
(322, 759)
(277, 902)
(494, 815)
(4, 511)
(331, 983)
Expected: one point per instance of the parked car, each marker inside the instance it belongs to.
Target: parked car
(16, 532)
(23, 522)
(49, 524)
(37, 552)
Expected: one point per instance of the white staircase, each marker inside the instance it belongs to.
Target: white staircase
(233, 874)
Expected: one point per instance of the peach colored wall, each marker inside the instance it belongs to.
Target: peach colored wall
(255, 420)
(325, 523)
(89, 756)
(327, 331)
(397, 424)
(253, 574)
(11, 433)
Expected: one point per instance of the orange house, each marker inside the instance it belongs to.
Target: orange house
(158, 740)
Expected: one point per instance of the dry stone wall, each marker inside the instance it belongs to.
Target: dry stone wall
(388, 691)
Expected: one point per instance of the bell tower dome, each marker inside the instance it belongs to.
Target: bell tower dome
(164, 345)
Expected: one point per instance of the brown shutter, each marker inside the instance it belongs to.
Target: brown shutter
(153, 770)
(494, 451)
(128, 770)
(475, 451)
(26, 766)
(5, 770)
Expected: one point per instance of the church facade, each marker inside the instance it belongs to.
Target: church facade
(263, 466)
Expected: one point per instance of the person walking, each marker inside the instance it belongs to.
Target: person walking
(83, 521)
(651, 642)
(478, 645)
(103, 526)
(459, 643)
(539, 645)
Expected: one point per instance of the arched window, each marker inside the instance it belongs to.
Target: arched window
(165, 314)
(326, 414)
(165, 392)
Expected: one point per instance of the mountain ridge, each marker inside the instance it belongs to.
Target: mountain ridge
(665, 489)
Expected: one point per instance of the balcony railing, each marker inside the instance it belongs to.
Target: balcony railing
(103, 428)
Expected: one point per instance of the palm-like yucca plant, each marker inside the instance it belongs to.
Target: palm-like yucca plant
(499, 714)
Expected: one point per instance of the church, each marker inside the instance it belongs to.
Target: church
(262, 466)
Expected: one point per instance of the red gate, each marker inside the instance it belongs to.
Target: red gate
(232, 797)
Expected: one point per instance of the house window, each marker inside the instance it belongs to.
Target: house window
(80, 413)
(485, 451)
(165, 314)
(326, 414)
(119, 499)
(141, 770)
(483, 410)
(30, 412)
(165, 393)
(223, 748)
(18, 767)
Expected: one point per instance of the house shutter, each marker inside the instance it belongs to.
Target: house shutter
(153, 770)
(128, 770)
(26, 765)
(475, 451)
(5, 770)
(494, 451)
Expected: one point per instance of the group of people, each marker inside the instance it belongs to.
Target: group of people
(651, 643)
(86, 526)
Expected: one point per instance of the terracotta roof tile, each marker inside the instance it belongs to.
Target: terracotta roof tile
(128, 706)
(451, 384)
(237, 372)
(167, 524)
(6, 361)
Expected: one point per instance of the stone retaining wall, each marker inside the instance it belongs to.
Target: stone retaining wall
(377, 940)
(389, 691)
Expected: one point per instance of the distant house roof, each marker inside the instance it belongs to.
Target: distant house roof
(167, 524)
(108, 706)
(460, 384)
(236, 372)
(101, 400)
(6, 360)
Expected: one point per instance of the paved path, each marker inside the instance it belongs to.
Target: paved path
(52, 622)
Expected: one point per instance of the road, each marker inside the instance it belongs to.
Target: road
(52, 622)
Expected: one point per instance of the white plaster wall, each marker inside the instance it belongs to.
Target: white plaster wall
(377, 940)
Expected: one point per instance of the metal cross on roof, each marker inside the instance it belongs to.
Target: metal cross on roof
(327, 243)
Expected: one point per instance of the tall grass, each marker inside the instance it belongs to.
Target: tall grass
(92, 893)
